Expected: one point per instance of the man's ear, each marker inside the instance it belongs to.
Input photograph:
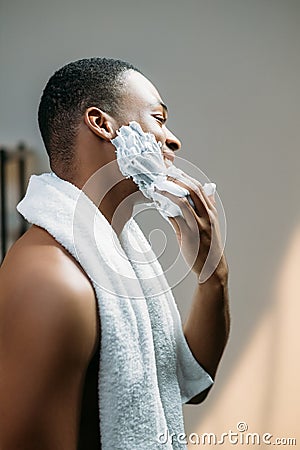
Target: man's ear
(100, 123)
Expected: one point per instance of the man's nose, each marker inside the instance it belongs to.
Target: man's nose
(172, 142)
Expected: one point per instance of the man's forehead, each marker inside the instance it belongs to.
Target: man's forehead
(140, 88)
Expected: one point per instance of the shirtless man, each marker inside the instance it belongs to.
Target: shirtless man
(49, 327)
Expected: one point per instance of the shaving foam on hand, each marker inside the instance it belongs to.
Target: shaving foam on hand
(139, 156)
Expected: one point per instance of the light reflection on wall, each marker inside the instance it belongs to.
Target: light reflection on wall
(263, 390)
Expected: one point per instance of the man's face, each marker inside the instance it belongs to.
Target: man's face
(143, 104)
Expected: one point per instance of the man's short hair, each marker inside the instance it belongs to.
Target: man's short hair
(69, 92)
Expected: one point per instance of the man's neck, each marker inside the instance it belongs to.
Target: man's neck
(114, 195)
(115, 203)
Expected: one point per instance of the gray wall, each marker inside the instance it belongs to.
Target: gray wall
(229, 71)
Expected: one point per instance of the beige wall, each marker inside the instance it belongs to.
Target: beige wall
(229, 71)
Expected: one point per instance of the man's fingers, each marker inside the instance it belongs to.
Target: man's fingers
(177, 228)
(195, 194)
(212, 199)
(201, 200)
(205, 193)
(187, 210)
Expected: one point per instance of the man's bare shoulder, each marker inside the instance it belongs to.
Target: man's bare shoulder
(38, 257)
(38, 274)
(48, 335)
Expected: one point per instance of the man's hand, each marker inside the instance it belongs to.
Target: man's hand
(198, 232)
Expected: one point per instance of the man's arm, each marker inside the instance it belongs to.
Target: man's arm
(46, 341)
(207, 326)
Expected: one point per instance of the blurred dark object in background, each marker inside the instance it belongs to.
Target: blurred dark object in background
(16, 164)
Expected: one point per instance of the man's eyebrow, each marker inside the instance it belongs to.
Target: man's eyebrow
(164, 107)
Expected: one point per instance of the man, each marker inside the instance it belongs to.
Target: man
(50, 331)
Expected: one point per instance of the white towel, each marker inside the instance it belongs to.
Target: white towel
(146, 367)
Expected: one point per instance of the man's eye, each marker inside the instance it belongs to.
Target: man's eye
(161, 119)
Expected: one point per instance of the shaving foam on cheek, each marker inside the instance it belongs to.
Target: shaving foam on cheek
(139, 156)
